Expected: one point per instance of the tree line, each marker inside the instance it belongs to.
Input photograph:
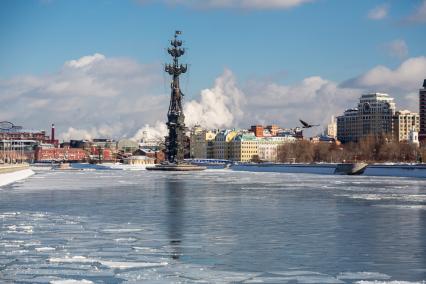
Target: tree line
(370, 149)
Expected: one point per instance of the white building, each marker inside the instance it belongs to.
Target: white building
(404, 122)
(331, 129)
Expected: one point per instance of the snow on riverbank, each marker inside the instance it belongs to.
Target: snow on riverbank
(7, 178)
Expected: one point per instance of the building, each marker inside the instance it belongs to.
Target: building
(405, 122)
(201, 143)
(331, 129)
(244, 147)
(257, 130)
(267, 149)
(222, 146)
(127, 146)
(105, 143)
(348, 126)
(21, 143)
(373, 116)
(139, 160)
(422, 112)
(273, 129)
(413, 137)
(60, 155)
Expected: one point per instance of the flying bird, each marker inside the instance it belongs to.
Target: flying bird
(307, 125)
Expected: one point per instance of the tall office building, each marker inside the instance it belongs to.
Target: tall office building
(422, 111)
(373, 115)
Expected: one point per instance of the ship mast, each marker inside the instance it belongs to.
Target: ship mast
(175, 117)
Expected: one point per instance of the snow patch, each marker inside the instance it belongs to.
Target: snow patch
(110, 264)
(71, 281)
(8, 178)
(42, 249)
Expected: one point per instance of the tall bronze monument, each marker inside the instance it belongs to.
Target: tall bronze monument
(175, 141)
(175, 117)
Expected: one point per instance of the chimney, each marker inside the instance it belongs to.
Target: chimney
(52, 135)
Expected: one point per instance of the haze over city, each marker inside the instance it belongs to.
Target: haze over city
(94, 68)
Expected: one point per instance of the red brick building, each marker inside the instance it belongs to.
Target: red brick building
(257, 130)
(60, 154)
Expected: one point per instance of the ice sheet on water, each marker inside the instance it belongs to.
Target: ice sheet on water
(71, 281)
(44, 249)
(314, 279)
(389, 282)
(402, 206)
(364, 275)
(108, 263)
(20, 229)
(122, 230)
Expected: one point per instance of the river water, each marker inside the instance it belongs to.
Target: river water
(212, 227)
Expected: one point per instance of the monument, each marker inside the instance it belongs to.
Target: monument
(175, 118)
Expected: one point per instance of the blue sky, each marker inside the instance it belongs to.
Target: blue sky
(334, 39)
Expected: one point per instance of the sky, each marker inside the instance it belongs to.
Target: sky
(94, 68)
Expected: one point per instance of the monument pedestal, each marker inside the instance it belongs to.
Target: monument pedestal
(180, 167)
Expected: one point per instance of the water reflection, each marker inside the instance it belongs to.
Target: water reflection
(175, 192)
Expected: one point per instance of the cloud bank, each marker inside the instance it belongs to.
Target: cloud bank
(100, 97)
(87, 97)
(407, 77)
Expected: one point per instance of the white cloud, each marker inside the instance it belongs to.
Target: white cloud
(244, 4)
(218, 107)
(85, 61)
(406, 77)
(419, 15)
(397, 48)
(90, 96)
(97, 96)
(379, 12)
(155, 132)
(314, 99)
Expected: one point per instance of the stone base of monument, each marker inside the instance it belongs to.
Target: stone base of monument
(179, 167)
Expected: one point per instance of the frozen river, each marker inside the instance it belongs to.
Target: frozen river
(212, 226)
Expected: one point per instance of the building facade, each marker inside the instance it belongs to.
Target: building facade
(201, 143)
(373, 116)
(244, 147)
(222, 146)
(348, 127)
(268, 147)
(405, 122)
(331, 129)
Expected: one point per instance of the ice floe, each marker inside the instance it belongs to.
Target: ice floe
(108, 263)
(363, 275)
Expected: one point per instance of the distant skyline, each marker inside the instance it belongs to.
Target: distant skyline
(94, 68)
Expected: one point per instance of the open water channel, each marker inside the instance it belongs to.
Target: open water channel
(212, 227)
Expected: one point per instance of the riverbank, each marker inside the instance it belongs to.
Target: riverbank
(13, 173)
(391, 170)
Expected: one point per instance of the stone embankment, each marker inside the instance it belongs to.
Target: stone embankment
(13, 173)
